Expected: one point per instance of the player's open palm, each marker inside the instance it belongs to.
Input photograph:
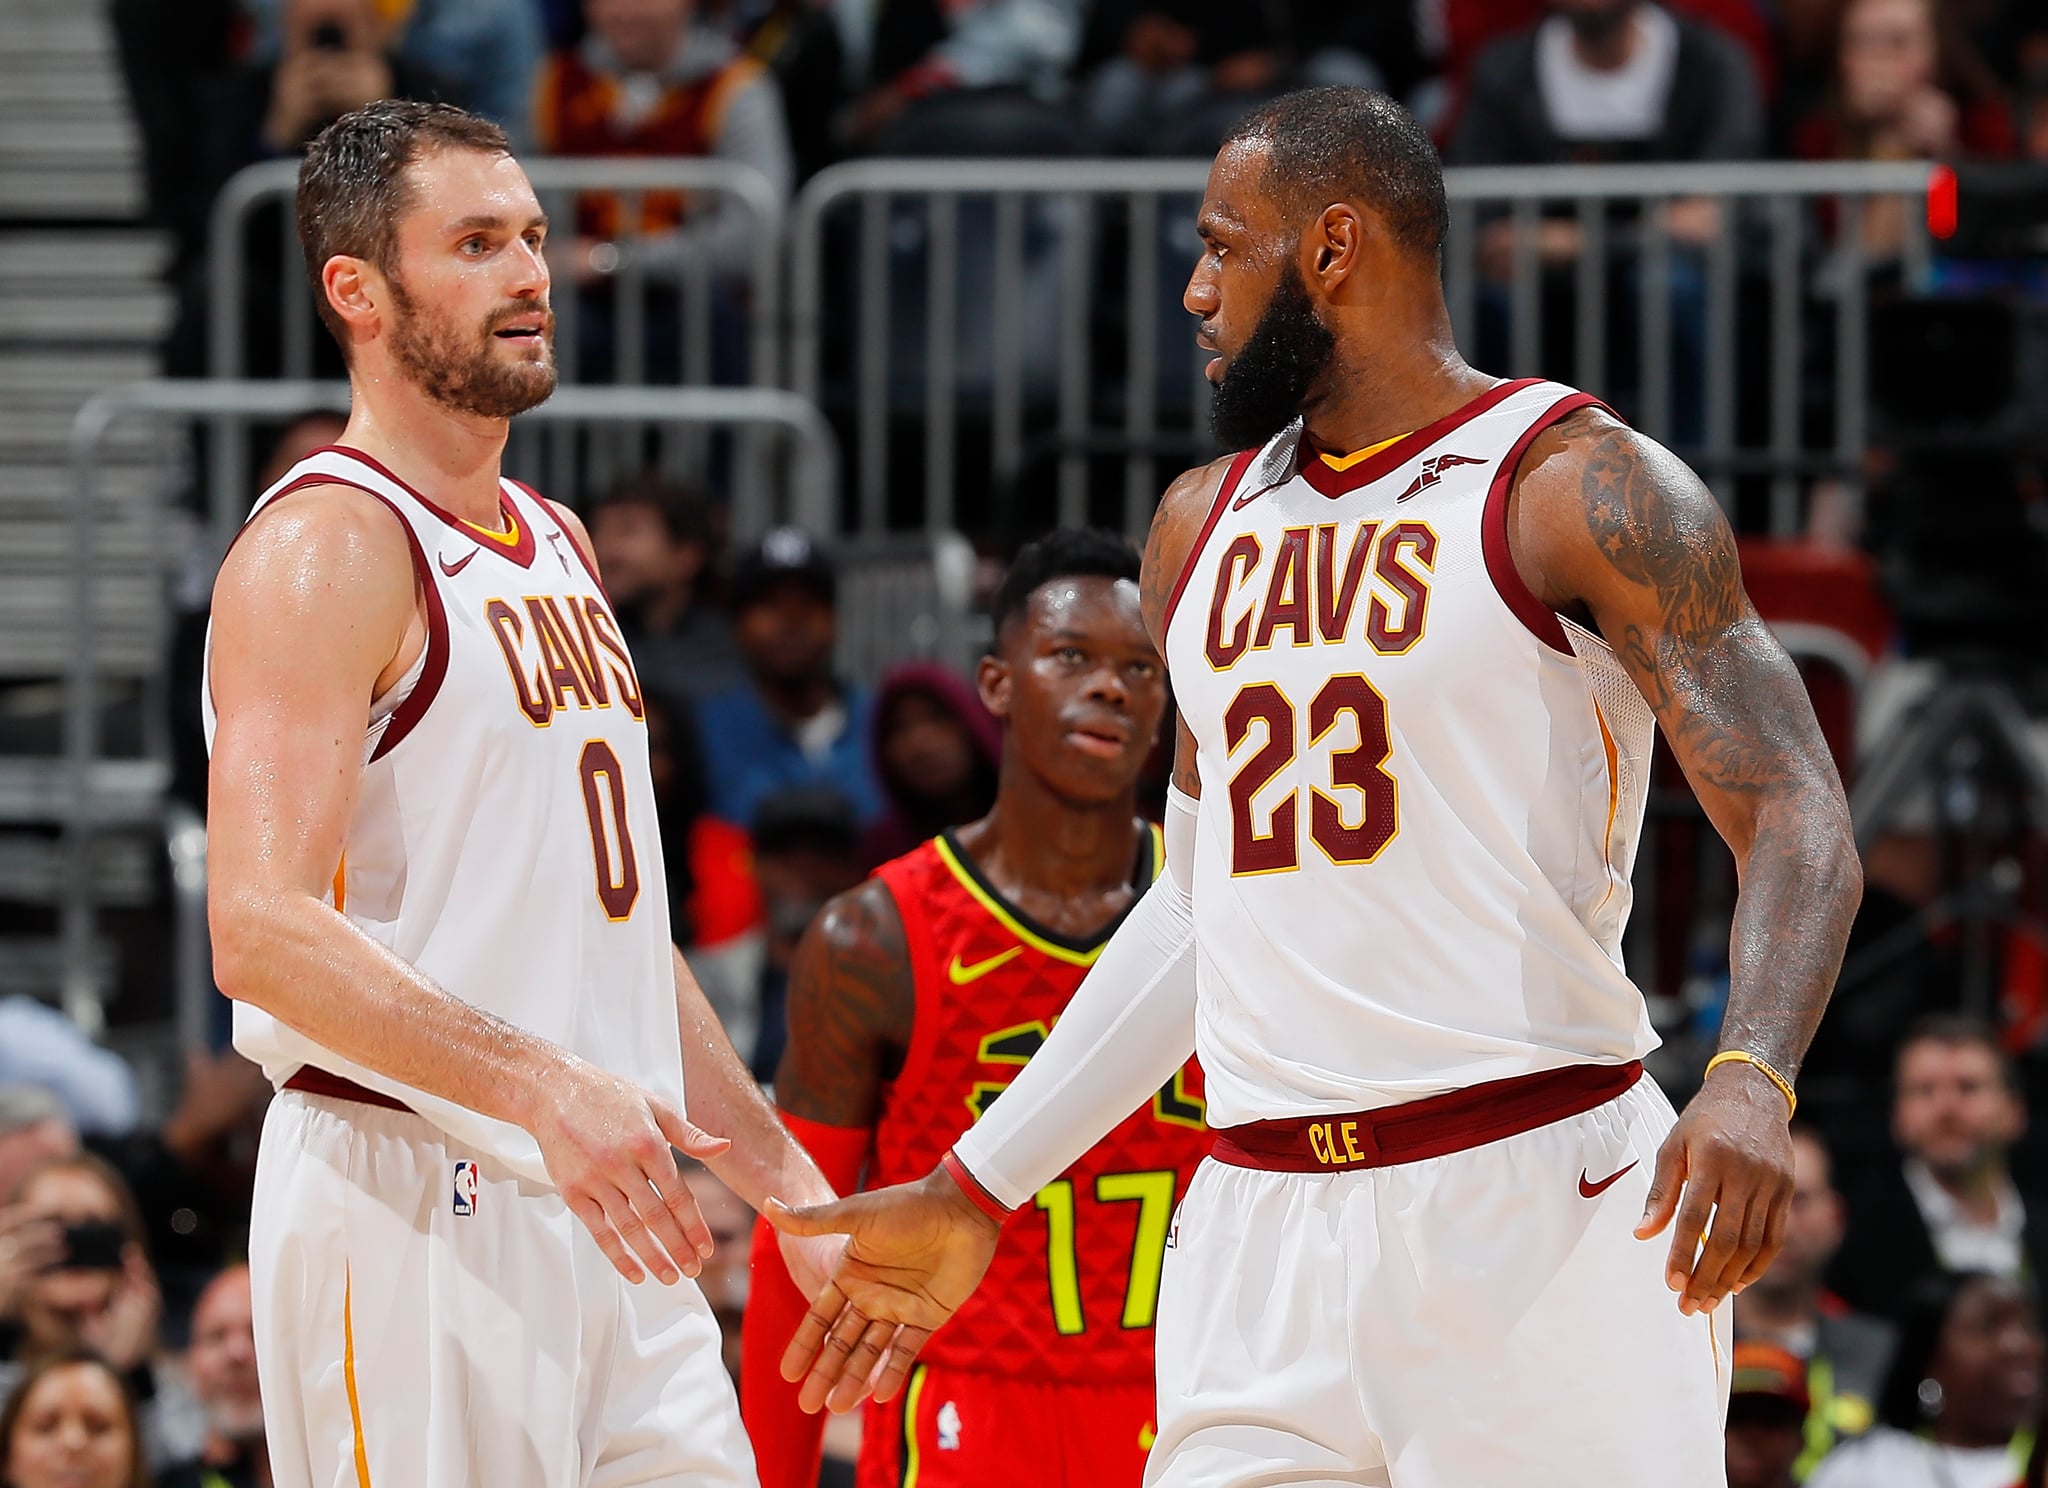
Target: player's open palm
(914, 1253)
(608, 1145)
(1724, 1184)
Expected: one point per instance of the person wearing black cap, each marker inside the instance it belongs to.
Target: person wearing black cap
(791, 723)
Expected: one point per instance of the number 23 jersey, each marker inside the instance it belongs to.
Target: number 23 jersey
(1421, 788)
(1071, 1293)
(504, 840)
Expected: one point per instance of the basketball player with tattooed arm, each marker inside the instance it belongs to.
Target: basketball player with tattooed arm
(914, 1000)
(435, 898)
(1420, 630)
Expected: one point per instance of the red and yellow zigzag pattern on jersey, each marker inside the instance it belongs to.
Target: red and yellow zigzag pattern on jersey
(1071, 1295)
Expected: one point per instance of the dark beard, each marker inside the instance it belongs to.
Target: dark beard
(1268, 381)
(1598, 27)
(469, 381)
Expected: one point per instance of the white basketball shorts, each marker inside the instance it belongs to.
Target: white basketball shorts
(1471, 1320)
(424, 1319)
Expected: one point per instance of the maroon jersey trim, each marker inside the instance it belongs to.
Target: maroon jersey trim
(1538, 617)
(1238, 466)
(1334, 482)
(515, 547)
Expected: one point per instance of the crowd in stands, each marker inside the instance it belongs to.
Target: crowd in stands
(1895, 1343)
(788, 86)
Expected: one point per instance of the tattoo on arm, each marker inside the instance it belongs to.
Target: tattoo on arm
(852, 1001)
(1739, 719)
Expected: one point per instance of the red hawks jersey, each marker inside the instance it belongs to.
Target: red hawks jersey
(1070, 1296)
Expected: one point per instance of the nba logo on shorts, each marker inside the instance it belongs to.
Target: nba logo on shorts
(465, 1187)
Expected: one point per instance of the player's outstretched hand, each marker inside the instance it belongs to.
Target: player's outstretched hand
(914, 1253)
(607, 1144)
(1730, 1156)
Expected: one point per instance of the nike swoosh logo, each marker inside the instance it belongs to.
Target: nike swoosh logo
(1591, 1190)
(452, 569)
(1246, 500)
(960, 973)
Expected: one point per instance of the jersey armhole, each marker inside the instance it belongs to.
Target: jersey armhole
(1537, 617)
(1238, 466)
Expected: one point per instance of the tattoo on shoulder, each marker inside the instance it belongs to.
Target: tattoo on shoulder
(1719, 683)
(852, 1001)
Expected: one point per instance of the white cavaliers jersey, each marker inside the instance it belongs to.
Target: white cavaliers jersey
(1421, 788)
(504, 840)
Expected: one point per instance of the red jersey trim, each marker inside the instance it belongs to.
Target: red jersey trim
(1238, 466)
(970, 1185)
(1332, 482)
(406, 716)
(516, 545)
(1540, 620)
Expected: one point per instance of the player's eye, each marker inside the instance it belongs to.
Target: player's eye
(473, 247)
(1070, 654)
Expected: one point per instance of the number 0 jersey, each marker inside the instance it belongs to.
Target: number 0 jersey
(1421, 789)
(504, 839)
(1070, 1295)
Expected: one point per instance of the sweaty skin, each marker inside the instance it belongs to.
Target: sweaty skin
(1605, 526)
(317, 611)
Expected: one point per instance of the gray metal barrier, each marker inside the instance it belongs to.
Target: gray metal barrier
(93, 794)
(1003, 313)
(560, 183)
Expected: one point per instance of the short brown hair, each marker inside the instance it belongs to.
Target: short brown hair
(42, 1368)
(1961, 1030)
(353, 186)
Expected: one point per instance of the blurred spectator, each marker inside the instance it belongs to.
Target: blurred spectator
(714, 904)
(1842, 1354)
(333, 56)
(908, 50)
(654, 545)
(1461, 29)
(486, 52)
(648, 81)
(936, 750)
(100, 1294)
(725, 1275)
(1960, 1389)
(1606, 80)
(805, 851)
(1951, 1203)
(1175, 71)
(221, 1367)
(1768, 1406)
(791, 723)
(70, 1424)
(1906, 87)
(34, 1127)
(1610, 80)
(40, 1046)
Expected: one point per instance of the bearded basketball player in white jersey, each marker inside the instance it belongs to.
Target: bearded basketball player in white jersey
(1420, 629)
(436, 895)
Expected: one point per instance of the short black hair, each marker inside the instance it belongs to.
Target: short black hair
(353, 186)
(1069, 553)
(683, 510)
(1351, 144)
(1963, 1030)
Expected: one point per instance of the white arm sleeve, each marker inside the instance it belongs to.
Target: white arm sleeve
(1130, 1025)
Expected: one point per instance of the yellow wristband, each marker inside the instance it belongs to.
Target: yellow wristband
(1743, 1056)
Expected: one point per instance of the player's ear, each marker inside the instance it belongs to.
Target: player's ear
(992, 681)
(353, 290)
(1330, 248)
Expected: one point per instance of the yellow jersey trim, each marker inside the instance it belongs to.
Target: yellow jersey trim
(1345, 462)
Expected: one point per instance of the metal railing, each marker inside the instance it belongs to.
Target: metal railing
(91, 798)
(561, 184)
(1024, 280)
